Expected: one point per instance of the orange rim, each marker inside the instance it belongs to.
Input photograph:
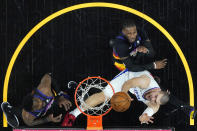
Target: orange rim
(80, 85)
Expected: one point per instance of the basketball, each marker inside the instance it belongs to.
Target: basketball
(120, 102)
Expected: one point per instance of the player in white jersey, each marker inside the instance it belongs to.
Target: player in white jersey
(141, 84)
(124, 77)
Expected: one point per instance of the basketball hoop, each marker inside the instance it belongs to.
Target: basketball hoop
(94, 114)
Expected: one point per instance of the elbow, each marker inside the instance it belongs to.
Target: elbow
(125, 87)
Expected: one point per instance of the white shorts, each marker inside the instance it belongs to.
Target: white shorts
(118, 81)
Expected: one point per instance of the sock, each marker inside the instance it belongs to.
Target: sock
(76, 112)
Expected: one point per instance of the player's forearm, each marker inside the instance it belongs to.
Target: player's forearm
(151, 109)
(148, 45)
(129, 63)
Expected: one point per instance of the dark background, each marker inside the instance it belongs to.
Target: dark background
(75, 46)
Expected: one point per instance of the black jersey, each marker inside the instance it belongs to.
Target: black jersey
(123, 48)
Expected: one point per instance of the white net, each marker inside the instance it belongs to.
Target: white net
(72, 85)
(86, 89)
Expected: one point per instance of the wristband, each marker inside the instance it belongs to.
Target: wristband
(149, 111)
(147, 51)
(155, 66)
(64, 95)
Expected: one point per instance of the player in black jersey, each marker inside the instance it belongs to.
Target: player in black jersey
(40, 106)
(132, 49)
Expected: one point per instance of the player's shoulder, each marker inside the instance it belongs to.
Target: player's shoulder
(121, 45)
(120, 42)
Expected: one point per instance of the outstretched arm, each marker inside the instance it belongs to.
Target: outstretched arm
(129, 62)
(146, 116)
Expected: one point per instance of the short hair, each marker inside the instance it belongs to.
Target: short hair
(165, 98)
(128, 23)
(28, 102)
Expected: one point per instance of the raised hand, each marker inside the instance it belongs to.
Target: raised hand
(161, 64)
(144, 118)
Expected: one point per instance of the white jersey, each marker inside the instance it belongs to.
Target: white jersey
(118, 81)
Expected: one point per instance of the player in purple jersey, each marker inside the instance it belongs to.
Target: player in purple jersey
(38, 106)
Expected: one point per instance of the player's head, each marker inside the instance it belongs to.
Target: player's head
(31, 103)
(129, 30)
(158, 97)
(165, 97)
